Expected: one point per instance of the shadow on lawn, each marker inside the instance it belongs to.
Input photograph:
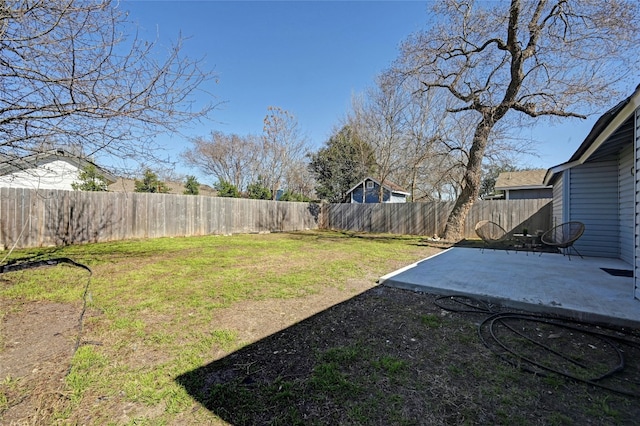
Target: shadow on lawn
(388, 356)
(347, 364)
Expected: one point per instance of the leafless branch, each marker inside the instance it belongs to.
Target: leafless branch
(560, 58)
(75, 73)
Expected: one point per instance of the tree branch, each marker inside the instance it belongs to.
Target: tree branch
(531, 111)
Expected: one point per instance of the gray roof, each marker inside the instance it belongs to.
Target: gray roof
(527, 179)
(387, 185)
(10, 165)
(128, 185)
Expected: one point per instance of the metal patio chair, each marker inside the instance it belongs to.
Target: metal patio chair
(563, 236)
(492, 235)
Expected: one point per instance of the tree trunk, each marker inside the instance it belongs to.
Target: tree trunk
(454, 230)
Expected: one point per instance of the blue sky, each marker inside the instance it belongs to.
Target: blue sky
(307, 57)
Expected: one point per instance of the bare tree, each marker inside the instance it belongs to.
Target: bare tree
(300, 180)
(379, 121)
(228, 157)
(408, 132)
(274, 158)
(425, 171)
(456, 142)
(283, 148)
(552, 58)
(75, 74)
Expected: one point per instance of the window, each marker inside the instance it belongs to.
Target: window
(369, 184)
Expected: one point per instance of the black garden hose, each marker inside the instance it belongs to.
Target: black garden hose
(488, 331)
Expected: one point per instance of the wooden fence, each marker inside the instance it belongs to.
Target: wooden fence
(30, 218)
(431, 218)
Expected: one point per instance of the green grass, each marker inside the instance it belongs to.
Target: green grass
(431, 320)
(329, 381)
(84, 373)
(169, 326)
(202, 273)
(156, 300)
(9, 384)
(390, 365)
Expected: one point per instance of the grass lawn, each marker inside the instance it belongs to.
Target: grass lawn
(259, 329)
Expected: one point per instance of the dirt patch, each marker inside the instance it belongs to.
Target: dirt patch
(38, 339)
(255, 320)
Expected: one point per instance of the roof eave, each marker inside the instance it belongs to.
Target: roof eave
(511, 188)
(34, 159)
(359, 184)
(606, 125)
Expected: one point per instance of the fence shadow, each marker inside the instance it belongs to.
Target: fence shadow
(30, 218)
(430, 218)
(77, 219)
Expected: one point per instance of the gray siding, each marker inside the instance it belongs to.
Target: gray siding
(527, 194)
(397, 198)
(593, 200)
(636, 201)
(372, 195)
(626, 196)
(558, 200)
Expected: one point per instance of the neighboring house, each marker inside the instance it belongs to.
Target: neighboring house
(522, 185)
(368, 191)
(128, 185)
(54, 169)
(599, 183)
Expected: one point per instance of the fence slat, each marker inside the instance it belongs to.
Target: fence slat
(430, 218)
(30, 218)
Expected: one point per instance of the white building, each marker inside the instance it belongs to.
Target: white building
(54, 169)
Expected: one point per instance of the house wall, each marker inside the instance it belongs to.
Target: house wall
(557, 209)
(528, 194)
(397, 198)
(56, 174)
(593, 200)
(636, 234)
(626, 181)
(371, 195)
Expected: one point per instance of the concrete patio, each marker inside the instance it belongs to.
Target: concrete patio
(548, 283)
